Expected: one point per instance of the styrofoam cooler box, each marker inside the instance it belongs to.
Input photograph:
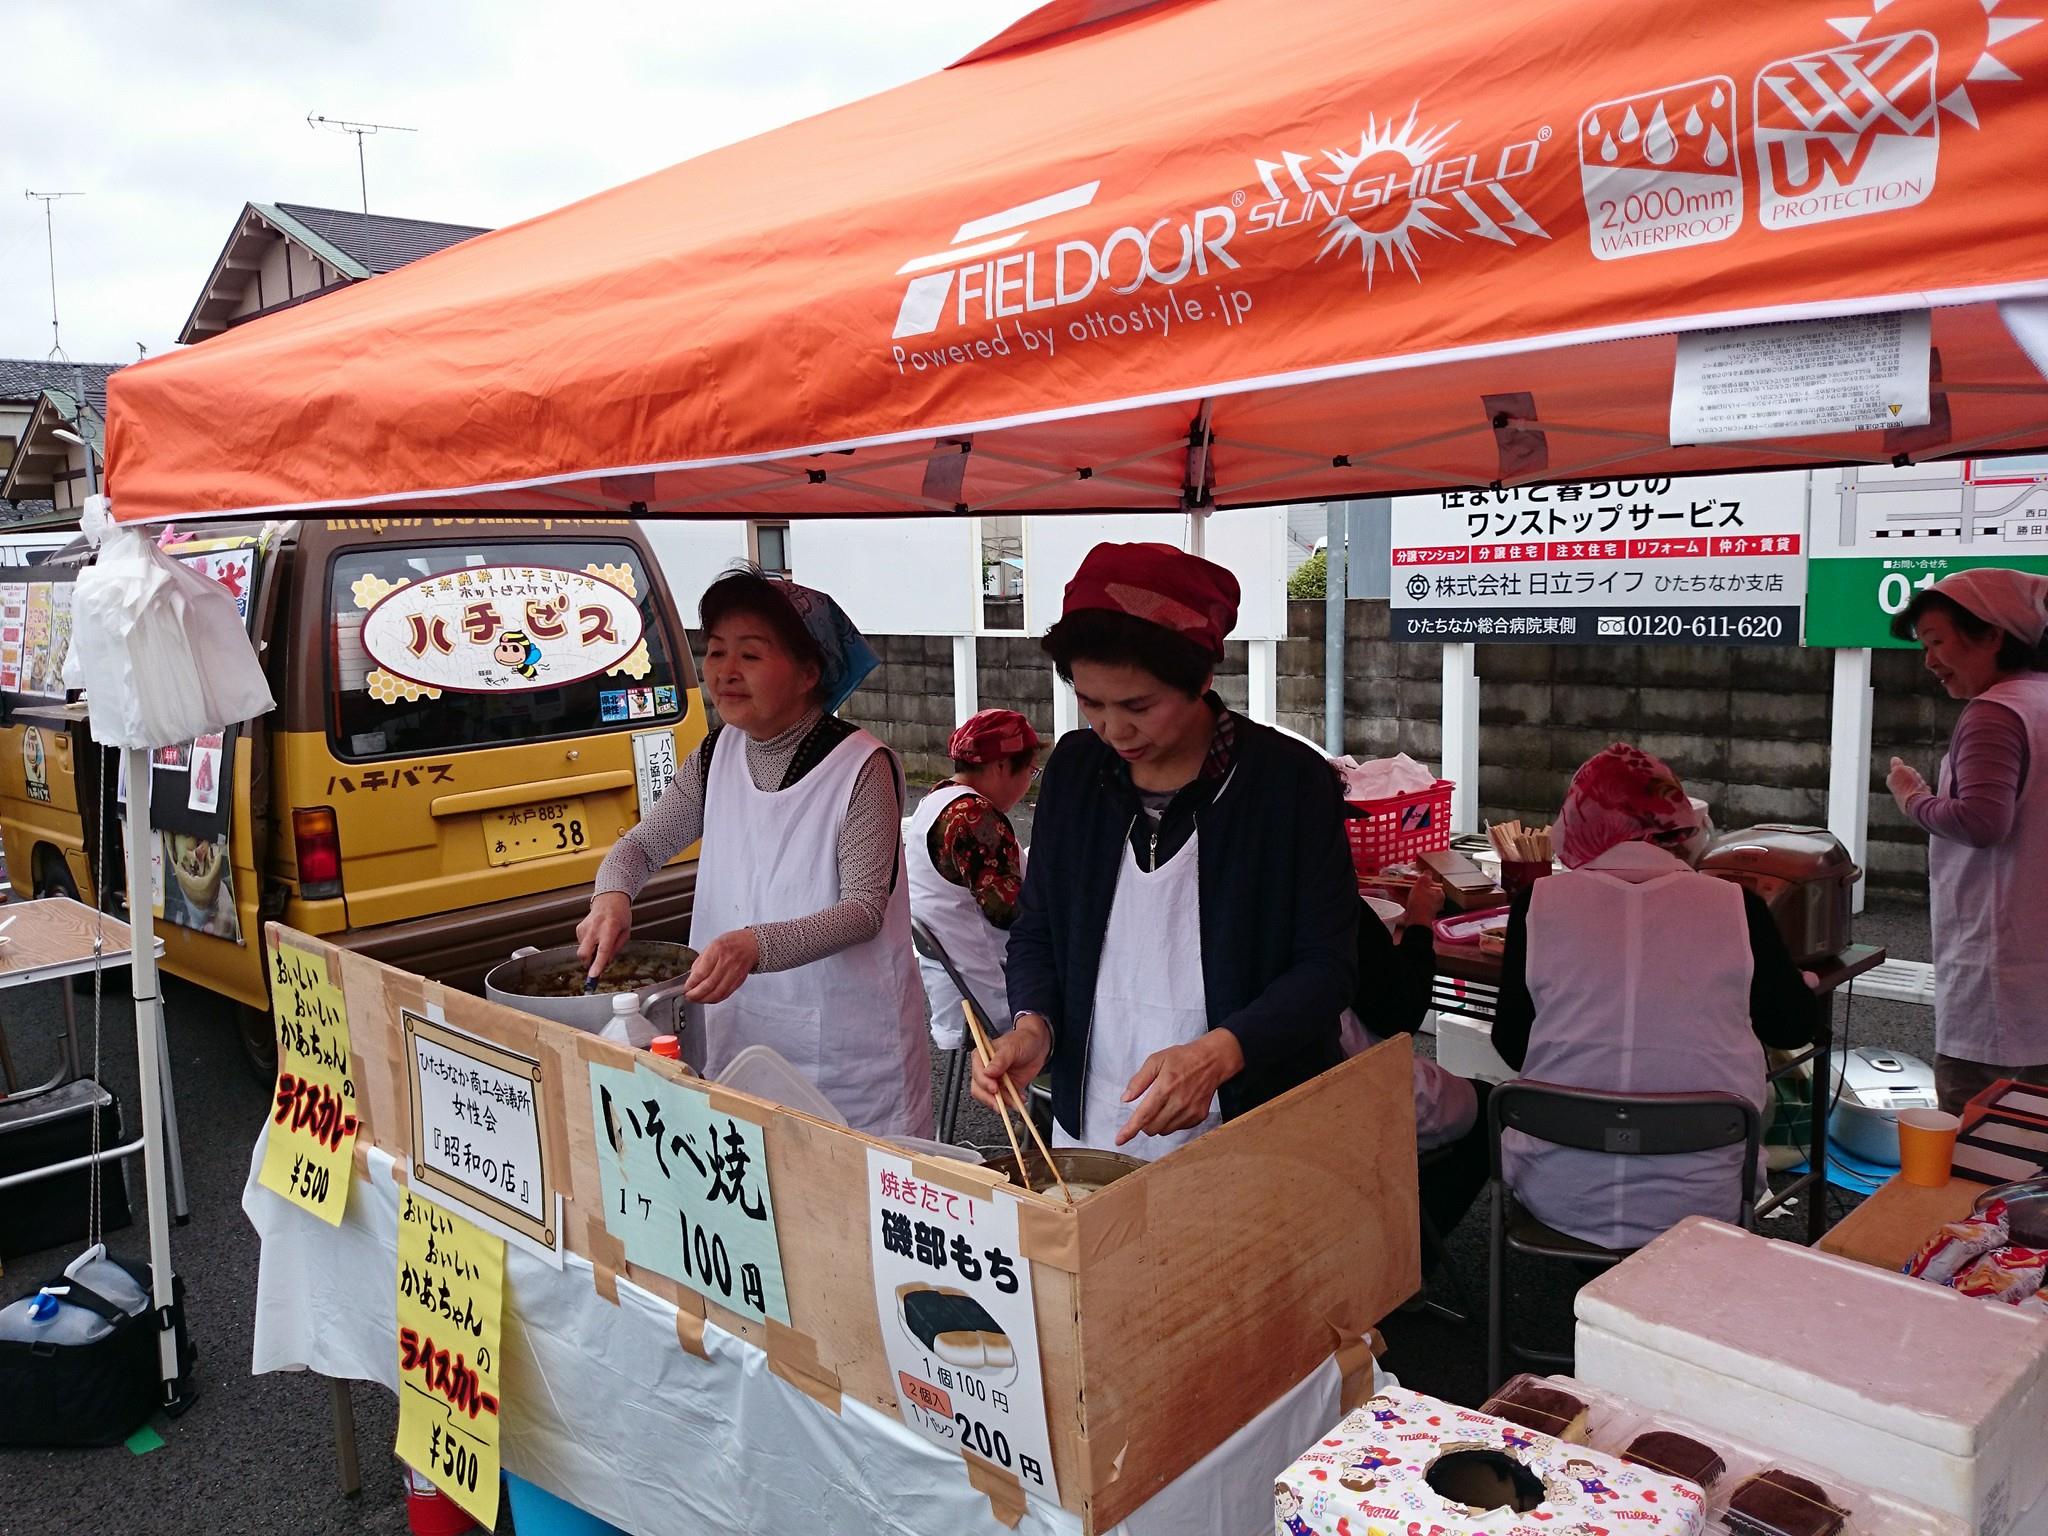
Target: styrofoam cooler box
(1898, 1385)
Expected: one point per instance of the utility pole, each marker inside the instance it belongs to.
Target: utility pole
(48, 200)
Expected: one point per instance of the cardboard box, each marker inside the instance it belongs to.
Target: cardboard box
(1173, 1306)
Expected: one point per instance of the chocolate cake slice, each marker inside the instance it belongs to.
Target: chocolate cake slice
(1676, 1456)
(1777, 1503)
(1544, 1409)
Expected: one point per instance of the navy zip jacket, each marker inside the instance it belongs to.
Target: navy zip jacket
(1278, 897)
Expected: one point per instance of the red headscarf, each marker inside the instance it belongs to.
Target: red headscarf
(991, 735)
(1624, 795)
(1195, 598)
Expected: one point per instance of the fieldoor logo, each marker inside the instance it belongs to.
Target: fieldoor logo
(1848, 131)
(924, 301)
(1398, 185)
(1660, 171)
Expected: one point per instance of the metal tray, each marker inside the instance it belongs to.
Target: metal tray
(2026, 1209)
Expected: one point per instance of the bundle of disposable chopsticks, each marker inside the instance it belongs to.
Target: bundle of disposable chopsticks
(1521, 845)
(986, 1054)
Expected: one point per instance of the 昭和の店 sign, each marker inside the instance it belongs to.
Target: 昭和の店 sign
(1715, 560)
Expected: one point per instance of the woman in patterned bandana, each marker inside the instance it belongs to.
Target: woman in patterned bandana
(1632, 972)
(801, 915)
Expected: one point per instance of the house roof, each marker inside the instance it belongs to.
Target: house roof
(42, 454)
(353, 245)
(23, 379)
(375, 242)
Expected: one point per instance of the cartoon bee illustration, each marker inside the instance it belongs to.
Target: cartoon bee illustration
(518, 653)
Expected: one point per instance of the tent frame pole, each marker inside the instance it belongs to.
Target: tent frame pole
(149, 1024)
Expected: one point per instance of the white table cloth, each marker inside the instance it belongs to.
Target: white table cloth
(607, 1410)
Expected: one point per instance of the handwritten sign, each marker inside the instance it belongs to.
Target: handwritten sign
(451, 1291)
(686, 1190)
(958, 1323)
(310, 1155)
(478, 1112)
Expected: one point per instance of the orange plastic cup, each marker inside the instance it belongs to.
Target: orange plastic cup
(1927, 1146)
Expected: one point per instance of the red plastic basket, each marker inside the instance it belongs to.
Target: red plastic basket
(1399, 827)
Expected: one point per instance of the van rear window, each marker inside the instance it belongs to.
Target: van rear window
(437, 648)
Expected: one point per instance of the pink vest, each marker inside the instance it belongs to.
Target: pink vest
(1640, 969)
(1990, 911)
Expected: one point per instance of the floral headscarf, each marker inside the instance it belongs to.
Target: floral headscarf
(1624, 795)
(848, 658)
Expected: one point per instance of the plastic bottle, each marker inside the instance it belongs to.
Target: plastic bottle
(628, 1025)
(667, 1045)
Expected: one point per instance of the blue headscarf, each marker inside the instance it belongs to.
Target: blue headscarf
(848, 658)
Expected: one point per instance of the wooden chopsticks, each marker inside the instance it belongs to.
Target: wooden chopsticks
(981, 1049)
(1522, 845)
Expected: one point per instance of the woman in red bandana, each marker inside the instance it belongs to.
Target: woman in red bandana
(1185, 939)
(1632, 972)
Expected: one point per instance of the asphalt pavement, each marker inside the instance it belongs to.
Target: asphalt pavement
(255, 1454)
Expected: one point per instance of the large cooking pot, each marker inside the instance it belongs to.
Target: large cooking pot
(549, 982)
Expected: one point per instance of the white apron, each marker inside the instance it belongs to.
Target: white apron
(1990, 951)
(1148, 996)
(1640, 970)
(975, 945)
(852, 1023)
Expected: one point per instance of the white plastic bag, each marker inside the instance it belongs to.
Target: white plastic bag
(1381, 778)
(159, 649)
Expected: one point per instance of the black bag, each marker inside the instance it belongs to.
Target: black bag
(72, 1391)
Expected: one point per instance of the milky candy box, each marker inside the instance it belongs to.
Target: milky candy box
(1370, 1477)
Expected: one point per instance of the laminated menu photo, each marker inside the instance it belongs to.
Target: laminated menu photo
(1405, 1463)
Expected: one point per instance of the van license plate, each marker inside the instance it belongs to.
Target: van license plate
(536, 832)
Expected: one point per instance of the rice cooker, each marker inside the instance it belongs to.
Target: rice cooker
(1804, 875)
(1868, 1087)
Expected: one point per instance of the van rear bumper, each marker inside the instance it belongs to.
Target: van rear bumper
(457, 948)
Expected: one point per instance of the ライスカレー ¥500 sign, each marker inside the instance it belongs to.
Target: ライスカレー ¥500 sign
(502, 629)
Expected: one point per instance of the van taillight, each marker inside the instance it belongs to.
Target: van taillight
(319, 850)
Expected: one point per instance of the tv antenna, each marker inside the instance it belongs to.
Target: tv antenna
(361, 131)
(49, 202)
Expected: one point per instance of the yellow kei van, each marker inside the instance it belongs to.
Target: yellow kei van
(471, 711)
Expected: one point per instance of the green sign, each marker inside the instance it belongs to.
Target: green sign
(1850, 601)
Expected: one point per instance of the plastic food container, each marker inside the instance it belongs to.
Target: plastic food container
(767, 1074)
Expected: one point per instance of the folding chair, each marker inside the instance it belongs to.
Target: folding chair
(953, 1087)
(1624, 1124)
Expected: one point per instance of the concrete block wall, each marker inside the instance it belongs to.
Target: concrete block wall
(1747, 729)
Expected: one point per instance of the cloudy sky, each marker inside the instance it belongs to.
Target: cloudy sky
(170, 114)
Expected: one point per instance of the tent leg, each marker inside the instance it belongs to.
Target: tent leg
(1066, 712)
(181, 1207)
(149, 1051)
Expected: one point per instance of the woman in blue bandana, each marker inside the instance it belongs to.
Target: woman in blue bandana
(801, 915)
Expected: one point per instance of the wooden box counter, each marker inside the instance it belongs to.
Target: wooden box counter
(1173, 1306)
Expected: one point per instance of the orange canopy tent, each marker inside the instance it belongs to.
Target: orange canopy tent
(1188, 253)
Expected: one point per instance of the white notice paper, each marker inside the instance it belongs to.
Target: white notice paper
(654, 764)
(1857, 374)
(954, 1294)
